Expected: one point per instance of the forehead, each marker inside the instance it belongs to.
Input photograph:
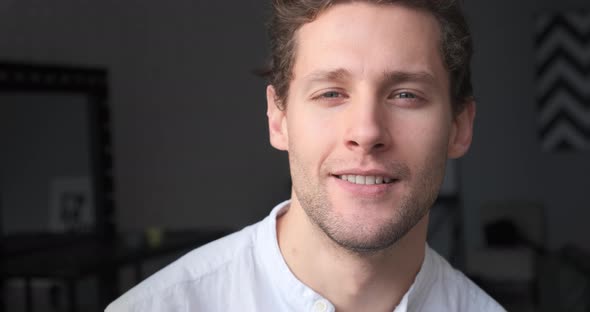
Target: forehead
(369, 40)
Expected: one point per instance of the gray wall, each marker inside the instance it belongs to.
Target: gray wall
(506, 161)
(191, 144)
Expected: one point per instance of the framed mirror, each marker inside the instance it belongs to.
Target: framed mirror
(56, 162)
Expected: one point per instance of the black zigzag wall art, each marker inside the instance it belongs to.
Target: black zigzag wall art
(562, 62)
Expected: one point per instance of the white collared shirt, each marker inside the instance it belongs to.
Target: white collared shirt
(245, 271)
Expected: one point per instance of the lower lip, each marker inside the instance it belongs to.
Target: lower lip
(365, 190)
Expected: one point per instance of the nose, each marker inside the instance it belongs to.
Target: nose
(367, 129)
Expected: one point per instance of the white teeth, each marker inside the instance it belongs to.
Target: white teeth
(365, 180)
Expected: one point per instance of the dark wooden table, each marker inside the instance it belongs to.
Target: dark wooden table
(70, 258)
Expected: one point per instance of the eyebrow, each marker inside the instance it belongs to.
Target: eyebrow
(387, 79)
(397, 77)
(340, 74)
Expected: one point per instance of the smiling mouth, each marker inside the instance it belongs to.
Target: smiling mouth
(365, 180)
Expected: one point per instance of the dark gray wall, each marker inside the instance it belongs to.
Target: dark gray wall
(191, 144)
(506, 161)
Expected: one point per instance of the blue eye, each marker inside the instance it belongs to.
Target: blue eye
(406, 95)
(407, 99)
(330, 97)
(331, 94)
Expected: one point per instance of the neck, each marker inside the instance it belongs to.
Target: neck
(351, 281)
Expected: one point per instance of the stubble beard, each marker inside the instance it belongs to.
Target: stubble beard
(358, 237)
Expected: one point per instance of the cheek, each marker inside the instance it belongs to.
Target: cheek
(311, 135)
(422, 138)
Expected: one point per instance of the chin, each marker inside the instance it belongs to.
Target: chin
(372, 212)
(370, 226)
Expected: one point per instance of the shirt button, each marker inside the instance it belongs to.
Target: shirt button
(320, 306)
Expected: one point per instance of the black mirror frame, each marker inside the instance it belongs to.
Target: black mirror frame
(92, 83)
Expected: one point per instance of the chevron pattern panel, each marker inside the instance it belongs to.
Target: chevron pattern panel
(562, 62)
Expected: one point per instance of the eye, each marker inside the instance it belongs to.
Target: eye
(405, 95)
(331, 94)
(407, 98)
(331, 97)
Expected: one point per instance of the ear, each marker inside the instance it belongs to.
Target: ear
(462, 131)
(277, 122)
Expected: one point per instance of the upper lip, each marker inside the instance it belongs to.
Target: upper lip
(363, 172)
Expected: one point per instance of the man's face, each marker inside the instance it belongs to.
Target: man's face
(368, 124)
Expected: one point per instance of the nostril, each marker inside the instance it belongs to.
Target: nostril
(376, 146)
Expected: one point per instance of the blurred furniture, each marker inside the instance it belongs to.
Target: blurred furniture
(515, 238)
(72, 258)
(564, 280)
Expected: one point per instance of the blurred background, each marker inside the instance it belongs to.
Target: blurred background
(134, 131)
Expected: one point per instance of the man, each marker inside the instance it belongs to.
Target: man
(369, 99)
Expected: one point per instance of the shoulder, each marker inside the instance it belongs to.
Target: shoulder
(453, 290)
(201, 268)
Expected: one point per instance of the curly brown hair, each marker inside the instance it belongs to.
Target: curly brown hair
(289, 15)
